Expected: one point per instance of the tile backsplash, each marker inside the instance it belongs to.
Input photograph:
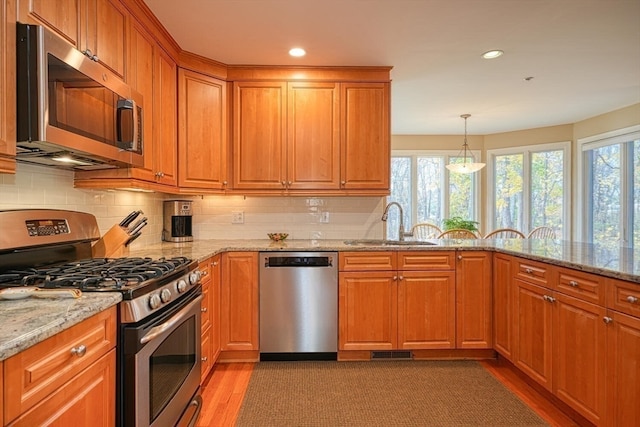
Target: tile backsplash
(302, 217)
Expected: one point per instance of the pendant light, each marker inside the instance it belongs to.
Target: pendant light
(465, 167)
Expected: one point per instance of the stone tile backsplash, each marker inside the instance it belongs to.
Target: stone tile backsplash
(302, 217)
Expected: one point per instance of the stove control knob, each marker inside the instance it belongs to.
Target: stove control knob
(154, 301)
(195, 277)
(165, 295)
(182, 285)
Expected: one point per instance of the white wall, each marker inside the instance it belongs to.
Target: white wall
(349, 217)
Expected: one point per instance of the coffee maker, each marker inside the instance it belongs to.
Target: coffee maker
(177, 221)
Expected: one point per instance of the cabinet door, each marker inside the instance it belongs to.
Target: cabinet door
(259, 123)
(579, 356)
(215, 308)
(503, 315)
(140, 71)
(165, 117)
(533, 323)
(202, 131)
(367, 311)
(473, 300)
(426, 310)
(61, 16)
(365, 136)
(104, 32)
(88, 399)
(8, 91)
(239, 301)
(623, 370)
(313, 142)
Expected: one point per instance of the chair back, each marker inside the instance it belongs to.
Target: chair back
(505, 233)
(424, 231)
(542, 232)
(457, 233)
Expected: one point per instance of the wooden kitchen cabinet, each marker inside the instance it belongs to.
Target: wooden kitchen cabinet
(202, 131)
(210, 314)
(403, 300)
(503, 305)
(474, 300)
(239, 300)
(60, 382)
(7, 89)
(365, 136)
(95, 26)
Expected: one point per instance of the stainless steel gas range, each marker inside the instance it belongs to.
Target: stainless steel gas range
(158, 376)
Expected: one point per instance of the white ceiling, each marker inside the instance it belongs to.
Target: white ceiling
(583, 55)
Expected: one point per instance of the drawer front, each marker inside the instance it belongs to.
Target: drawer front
(585, 286)
(624, 297)
(38, 371)
(427, 260)
(532, 271)
(367, 261)
(205, 270)
(205, 309)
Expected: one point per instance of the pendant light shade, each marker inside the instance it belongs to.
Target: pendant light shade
(465, 167)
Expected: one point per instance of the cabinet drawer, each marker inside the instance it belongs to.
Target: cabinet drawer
(588, 287)
(426, 260)
(623, 297)
(532, 271)
(205, 270)
(205, 308)
(38, 371)
(367, 261)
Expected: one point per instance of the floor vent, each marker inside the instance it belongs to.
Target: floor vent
(391, 355)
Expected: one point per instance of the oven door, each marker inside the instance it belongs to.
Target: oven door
(161, 367)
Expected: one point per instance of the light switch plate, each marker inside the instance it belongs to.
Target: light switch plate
(237, 217)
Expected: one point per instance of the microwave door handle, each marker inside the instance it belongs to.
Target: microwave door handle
(124, 104)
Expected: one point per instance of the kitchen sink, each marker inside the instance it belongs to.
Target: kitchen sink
(383, 242)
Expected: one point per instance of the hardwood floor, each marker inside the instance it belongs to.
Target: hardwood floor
(224, 391)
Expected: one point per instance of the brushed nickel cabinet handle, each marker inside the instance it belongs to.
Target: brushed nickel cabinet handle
(401, 277)
(79, 351)
(528, 270)
(631, 299)
(607, 320)
(395, 277)
(204, 358)
(203, 310)
(549, 298)
(573, 284)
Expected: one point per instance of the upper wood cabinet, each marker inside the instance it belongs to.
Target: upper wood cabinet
(8, 91)
(202, 131)
(321, 134)
(98, 28)
(366, 136)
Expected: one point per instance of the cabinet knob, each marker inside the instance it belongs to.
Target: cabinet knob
(573, 284)
(631, 299)
(343, 182)
(224, 182)
(204, 358)
(203, 310)
(214, 263)
(549, 298)
(528, 270)
(460, 257)
(401, 277)
(395, 277)
(607, 319)
(284, 184)
(80, 350)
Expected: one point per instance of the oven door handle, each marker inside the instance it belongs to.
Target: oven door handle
(156, 331)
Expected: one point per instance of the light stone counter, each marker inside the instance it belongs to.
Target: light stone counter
(606, 260)
(28, 321)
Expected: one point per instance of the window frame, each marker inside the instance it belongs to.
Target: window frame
(617, 136)
(527, 151)
(446, 155)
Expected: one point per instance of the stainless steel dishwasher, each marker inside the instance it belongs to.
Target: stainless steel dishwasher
(298, 305)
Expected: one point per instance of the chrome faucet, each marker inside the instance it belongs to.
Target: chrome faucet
(385, 215)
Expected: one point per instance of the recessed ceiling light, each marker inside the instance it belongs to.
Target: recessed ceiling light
(297, 51)
(492, 54)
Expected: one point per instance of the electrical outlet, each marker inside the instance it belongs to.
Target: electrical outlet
(237, 217)
(324, 217)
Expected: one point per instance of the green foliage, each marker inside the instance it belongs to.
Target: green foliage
(459, 222)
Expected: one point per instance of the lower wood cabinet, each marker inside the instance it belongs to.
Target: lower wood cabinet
(239, 299)
(210, 316)
(68, 379)
(473, 300)
(503, 294)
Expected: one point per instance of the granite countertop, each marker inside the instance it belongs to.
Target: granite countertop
(607, 260)
(29, 321)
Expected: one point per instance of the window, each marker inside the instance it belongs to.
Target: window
(529, 187)
(610, 184)
(418, 182)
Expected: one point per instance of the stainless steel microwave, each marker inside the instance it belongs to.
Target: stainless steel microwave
(71, 112)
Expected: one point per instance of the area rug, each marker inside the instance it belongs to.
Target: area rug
(389, 393)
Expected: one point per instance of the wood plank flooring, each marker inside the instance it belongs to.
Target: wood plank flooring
(224, 391)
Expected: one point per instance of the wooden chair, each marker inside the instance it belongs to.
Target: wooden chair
(505, 233)
(424, 231)
(457, 233)
(542, 232)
